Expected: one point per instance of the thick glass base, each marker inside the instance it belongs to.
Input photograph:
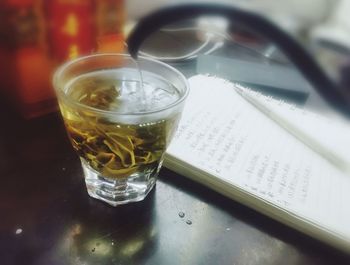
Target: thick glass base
(119, 191)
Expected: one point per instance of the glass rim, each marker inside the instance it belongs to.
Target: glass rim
(60, 93)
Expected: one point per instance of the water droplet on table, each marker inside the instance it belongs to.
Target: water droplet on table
(189, 222)
(182, 214)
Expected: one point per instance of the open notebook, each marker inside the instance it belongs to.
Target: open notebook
(284, 162)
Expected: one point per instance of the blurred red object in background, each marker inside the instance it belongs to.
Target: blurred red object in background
(110, 17)
(71, 29)
(36, 36)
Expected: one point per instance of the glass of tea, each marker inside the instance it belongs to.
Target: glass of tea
(120, 115)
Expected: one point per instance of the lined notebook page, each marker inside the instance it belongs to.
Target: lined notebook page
(329, 137)
(224, 135)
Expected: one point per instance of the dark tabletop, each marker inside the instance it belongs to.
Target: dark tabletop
(47, 216)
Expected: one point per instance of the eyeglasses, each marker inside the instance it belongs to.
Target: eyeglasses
(209, 37)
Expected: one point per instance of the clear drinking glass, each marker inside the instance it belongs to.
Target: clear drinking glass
(120, 128)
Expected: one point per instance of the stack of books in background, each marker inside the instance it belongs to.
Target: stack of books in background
(36, 36)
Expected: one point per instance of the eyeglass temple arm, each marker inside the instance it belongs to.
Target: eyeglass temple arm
(306, 64)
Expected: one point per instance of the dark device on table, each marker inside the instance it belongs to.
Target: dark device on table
(337, 96)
